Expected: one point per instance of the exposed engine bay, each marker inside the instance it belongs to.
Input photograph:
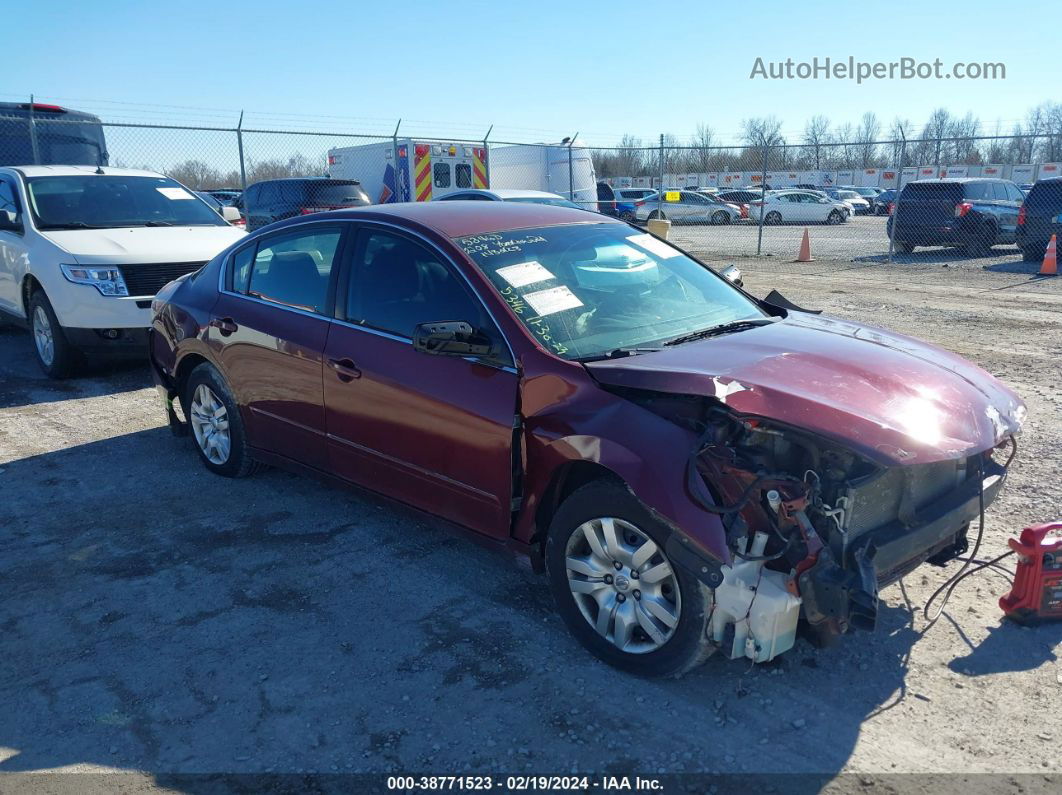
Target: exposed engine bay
(813, 529)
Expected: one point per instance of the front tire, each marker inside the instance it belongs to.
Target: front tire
(616, 589)
(54, 353)
(835, 217)
(218, 433)
(1033, 253)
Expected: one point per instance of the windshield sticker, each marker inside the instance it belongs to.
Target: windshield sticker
(175, 193)
(525, 273)
(553, 300)
(654, 246)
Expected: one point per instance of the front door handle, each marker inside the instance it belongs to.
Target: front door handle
(226, 325)
(345, 369)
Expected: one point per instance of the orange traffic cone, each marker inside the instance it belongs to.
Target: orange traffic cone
(1050, 264)
(805, 249)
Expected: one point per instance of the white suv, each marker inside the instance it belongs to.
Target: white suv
(83, 251)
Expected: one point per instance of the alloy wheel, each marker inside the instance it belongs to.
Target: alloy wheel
(623, 584)
(43, 336)
(210, 424)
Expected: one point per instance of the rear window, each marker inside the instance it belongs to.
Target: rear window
(333, 194)
(932, 191)
(1045, 198)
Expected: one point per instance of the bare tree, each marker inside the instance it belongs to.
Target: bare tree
(866, 134)
(816, 136)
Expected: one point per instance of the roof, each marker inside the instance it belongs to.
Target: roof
(959, 179)
(512, 193)
(73, 171)
(458, 219)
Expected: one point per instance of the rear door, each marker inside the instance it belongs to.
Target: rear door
(432, 431)
(1043, 210)
(270, 324)
(1010, 201)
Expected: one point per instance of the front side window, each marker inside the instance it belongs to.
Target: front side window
(397, 284)
(292, 270)
(105, 201)
(9, 202)
(587, 289)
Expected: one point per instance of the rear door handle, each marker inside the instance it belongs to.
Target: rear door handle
(345, 369)
(226, 325)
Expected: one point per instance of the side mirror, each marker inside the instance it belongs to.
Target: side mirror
(732, 274)
(451, 338)
(230, 213)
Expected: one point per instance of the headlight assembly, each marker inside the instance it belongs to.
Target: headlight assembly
(107, 279)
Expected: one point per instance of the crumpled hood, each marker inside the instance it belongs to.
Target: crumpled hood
(891, 397)
(144, 244)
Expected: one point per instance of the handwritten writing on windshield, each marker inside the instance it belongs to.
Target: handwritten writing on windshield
(494, 245)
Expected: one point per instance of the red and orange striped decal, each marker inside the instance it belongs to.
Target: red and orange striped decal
(422, 172)
(479, 168)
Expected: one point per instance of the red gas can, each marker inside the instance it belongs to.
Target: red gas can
(1037, 592)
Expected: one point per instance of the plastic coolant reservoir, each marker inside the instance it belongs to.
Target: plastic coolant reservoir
(755, 601)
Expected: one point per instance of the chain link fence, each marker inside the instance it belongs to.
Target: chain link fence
(747, 200)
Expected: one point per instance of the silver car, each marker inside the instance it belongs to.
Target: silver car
(692, 207)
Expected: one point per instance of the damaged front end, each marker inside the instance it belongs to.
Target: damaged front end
(814, 529)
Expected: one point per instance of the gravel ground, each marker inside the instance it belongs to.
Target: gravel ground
(159, 619)
(860, 239)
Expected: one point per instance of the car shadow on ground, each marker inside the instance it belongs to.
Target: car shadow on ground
(159, 618)
(949, 256)
(23, 383)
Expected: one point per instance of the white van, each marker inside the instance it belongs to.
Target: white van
(84, 249)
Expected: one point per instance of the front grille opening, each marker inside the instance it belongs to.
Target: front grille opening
(146, 280)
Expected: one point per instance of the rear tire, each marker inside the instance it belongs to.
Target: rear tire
(721, 217)
(54, 353)
(903, 248)
(1033, 253)
(773, 218)
(602, 545)
(981, 243)
(218, 433)
(656, 215)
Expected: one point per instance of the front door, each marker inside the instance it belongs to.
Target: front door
(14, 253)
(432, 431)
(271, 322)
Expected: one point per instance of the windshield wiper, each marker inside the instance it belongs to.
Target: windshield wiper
(714, 331)
(617, 353)
(69, 225)
(157, 223)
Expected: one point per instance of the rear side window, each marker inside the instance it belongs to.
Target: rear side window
(932, 191)
(1045, 198)
(241, 269)
(294, 270)
(979, 191)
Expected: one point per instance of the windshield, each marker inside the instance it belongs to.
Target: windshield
(105, 201)
(848, 194)
(590, 289)
(552, 202)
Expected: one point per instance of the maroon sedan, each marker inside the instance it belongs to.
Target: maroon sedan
(695, 468)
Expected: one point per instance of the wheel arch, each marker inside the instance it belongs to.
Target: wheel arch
(565, 479)
(30, 284)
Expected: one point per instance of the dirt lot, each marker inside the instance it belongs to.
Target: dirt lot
(860, 239)
(156, 618)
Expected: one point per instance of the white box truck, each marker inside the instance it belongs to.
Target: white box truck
(409, 169)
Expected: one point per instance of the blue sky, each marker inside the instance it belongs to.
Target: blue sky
(535, 70)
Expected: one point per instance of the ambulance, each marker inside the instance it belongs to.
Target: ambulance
(409, 169)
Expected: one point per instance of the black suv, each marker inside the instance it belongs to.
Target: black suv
(276, 199)
(1039, 218)
(974, 214)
